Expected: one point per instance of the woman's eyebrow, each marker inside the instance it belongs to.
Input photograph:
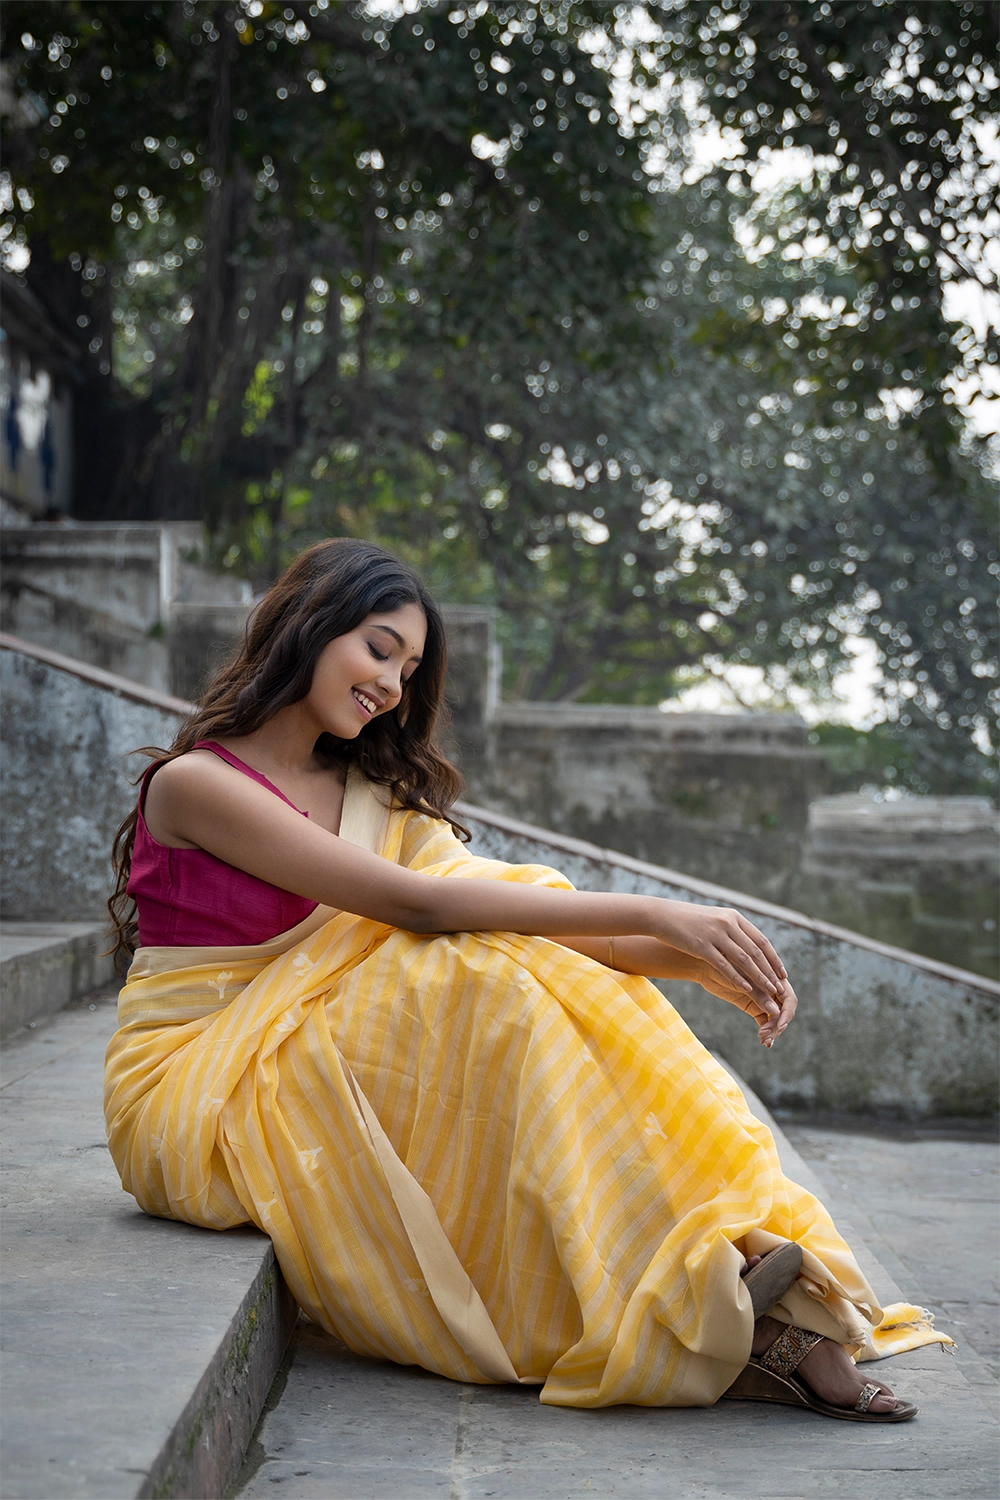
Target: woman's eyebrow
(398, 639)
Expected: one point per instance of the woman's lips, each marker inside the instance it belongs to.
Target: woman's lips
(367, 705)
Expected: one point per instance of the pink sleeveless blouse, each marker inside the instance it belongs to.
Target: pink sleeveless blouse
(187, 898)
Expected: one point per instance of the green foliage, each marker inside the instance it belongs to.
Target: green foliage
(237, 171)
(891, 98)
(917, 761)
(407, 279)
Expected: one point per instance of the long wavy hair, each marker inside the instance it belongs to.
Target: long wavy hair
(328, 591)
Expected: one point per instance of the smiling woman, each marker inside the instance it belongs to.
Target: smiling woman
(357, 676)
(479, 1139)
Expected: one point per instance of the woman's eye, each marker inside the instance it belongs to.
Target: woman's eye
(377, 654)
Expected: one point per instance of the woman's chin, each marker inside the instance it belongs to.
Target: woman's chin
(346, 731)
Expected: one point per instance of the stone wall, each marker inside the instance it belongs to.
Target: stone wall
(921, 871)
(879, 1030)
(122, 597)
(67, 781)
(723, 796)
(731, 798)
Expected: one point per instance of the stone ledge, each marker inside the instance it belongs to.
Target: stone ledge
(881, 1032)
(713, 895)
(122, 687)
(45, 966)
(206, 1446)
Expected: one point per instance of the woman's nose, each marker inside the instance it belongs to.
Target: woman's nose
(390, 682)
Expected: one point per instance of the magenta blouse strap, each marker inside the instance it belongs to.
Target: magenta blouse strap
(144, 783)
(241, 765)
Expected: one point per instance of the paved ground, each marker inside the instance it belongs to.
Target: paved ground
(928, 1205)
(344, 1428)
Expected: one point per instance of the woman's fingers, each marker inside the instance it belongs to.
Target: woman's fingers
(754, 990)
(772, 1028)
(789, 1005)
(770, 1015)
(718, 983)
(749, 949)
(717, 958)
(753, 1007)
(766, 948)
(759, 950)
(725, 938)
(764, 945)
(750, 962)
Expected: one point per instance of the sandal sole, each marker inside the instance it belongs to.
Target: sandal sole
(754, 1383)
(768, 1282)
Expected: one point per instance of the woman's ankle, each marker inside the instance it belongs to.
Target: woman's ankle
(765, 1331)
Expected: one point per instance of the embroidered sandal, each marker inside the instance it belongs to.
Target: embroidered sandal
(772, 1378)
(768, 1282)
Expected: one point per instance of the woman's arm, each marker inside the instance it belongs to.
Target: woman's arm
(200, 800)
(649, 957)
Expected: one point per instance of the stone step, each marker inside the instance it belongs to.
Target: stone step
(139, 1352)
(45, 966)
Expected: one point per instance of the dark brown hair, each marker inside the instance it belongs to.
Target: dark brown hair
(327, 592)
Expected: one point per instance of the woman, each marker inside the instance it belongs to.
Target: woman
(478, 1139)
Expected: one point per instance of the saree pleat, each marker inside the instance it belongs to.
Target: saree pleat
(479, 1153)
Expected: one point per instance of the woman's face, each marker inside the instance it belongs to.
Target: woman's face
(361, 675)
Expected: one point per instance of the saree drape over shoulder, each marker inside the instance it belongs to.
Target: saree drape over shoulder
(480, 1153)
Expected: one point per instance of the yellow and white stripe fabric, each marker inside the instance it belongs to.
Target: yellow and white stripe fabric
(479, 1153)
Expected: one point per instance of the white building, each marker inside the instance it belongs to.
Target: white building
(37, 373)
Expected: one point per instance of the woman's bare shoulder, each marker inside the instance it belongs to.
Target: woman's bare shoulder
(192, 789)
(195, 768)
(192, 777)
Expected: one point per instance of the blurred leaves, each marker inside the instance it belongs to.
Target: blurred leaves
(894, 101)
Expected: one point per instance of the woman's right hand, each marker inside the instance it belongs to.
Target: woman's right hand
(727, 942)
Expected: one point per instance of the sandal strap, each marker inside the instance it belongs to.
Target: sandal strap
(789, 1350)
(868, 1394)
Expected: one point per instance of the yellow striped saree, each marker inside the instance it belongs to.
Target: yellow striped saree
(480, 1153)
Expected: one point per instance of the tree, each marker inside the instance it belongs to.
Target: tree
(632, 519)
(357, 278)
(224, 161)
(893, 100)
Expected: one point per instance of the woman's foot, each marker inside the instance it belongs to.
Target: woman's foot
(826, 1370)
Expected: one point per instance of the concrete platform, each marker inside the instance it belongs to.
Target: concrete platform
(351, 1429)
(138, 1355)
(926, 1200)
(46, 965)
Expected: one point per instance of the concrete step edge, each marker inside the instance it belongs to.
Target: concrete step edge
(67, 964)
(203, 1453)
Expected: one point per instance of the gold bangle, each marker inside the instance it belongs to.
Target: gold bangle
(611, 952)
